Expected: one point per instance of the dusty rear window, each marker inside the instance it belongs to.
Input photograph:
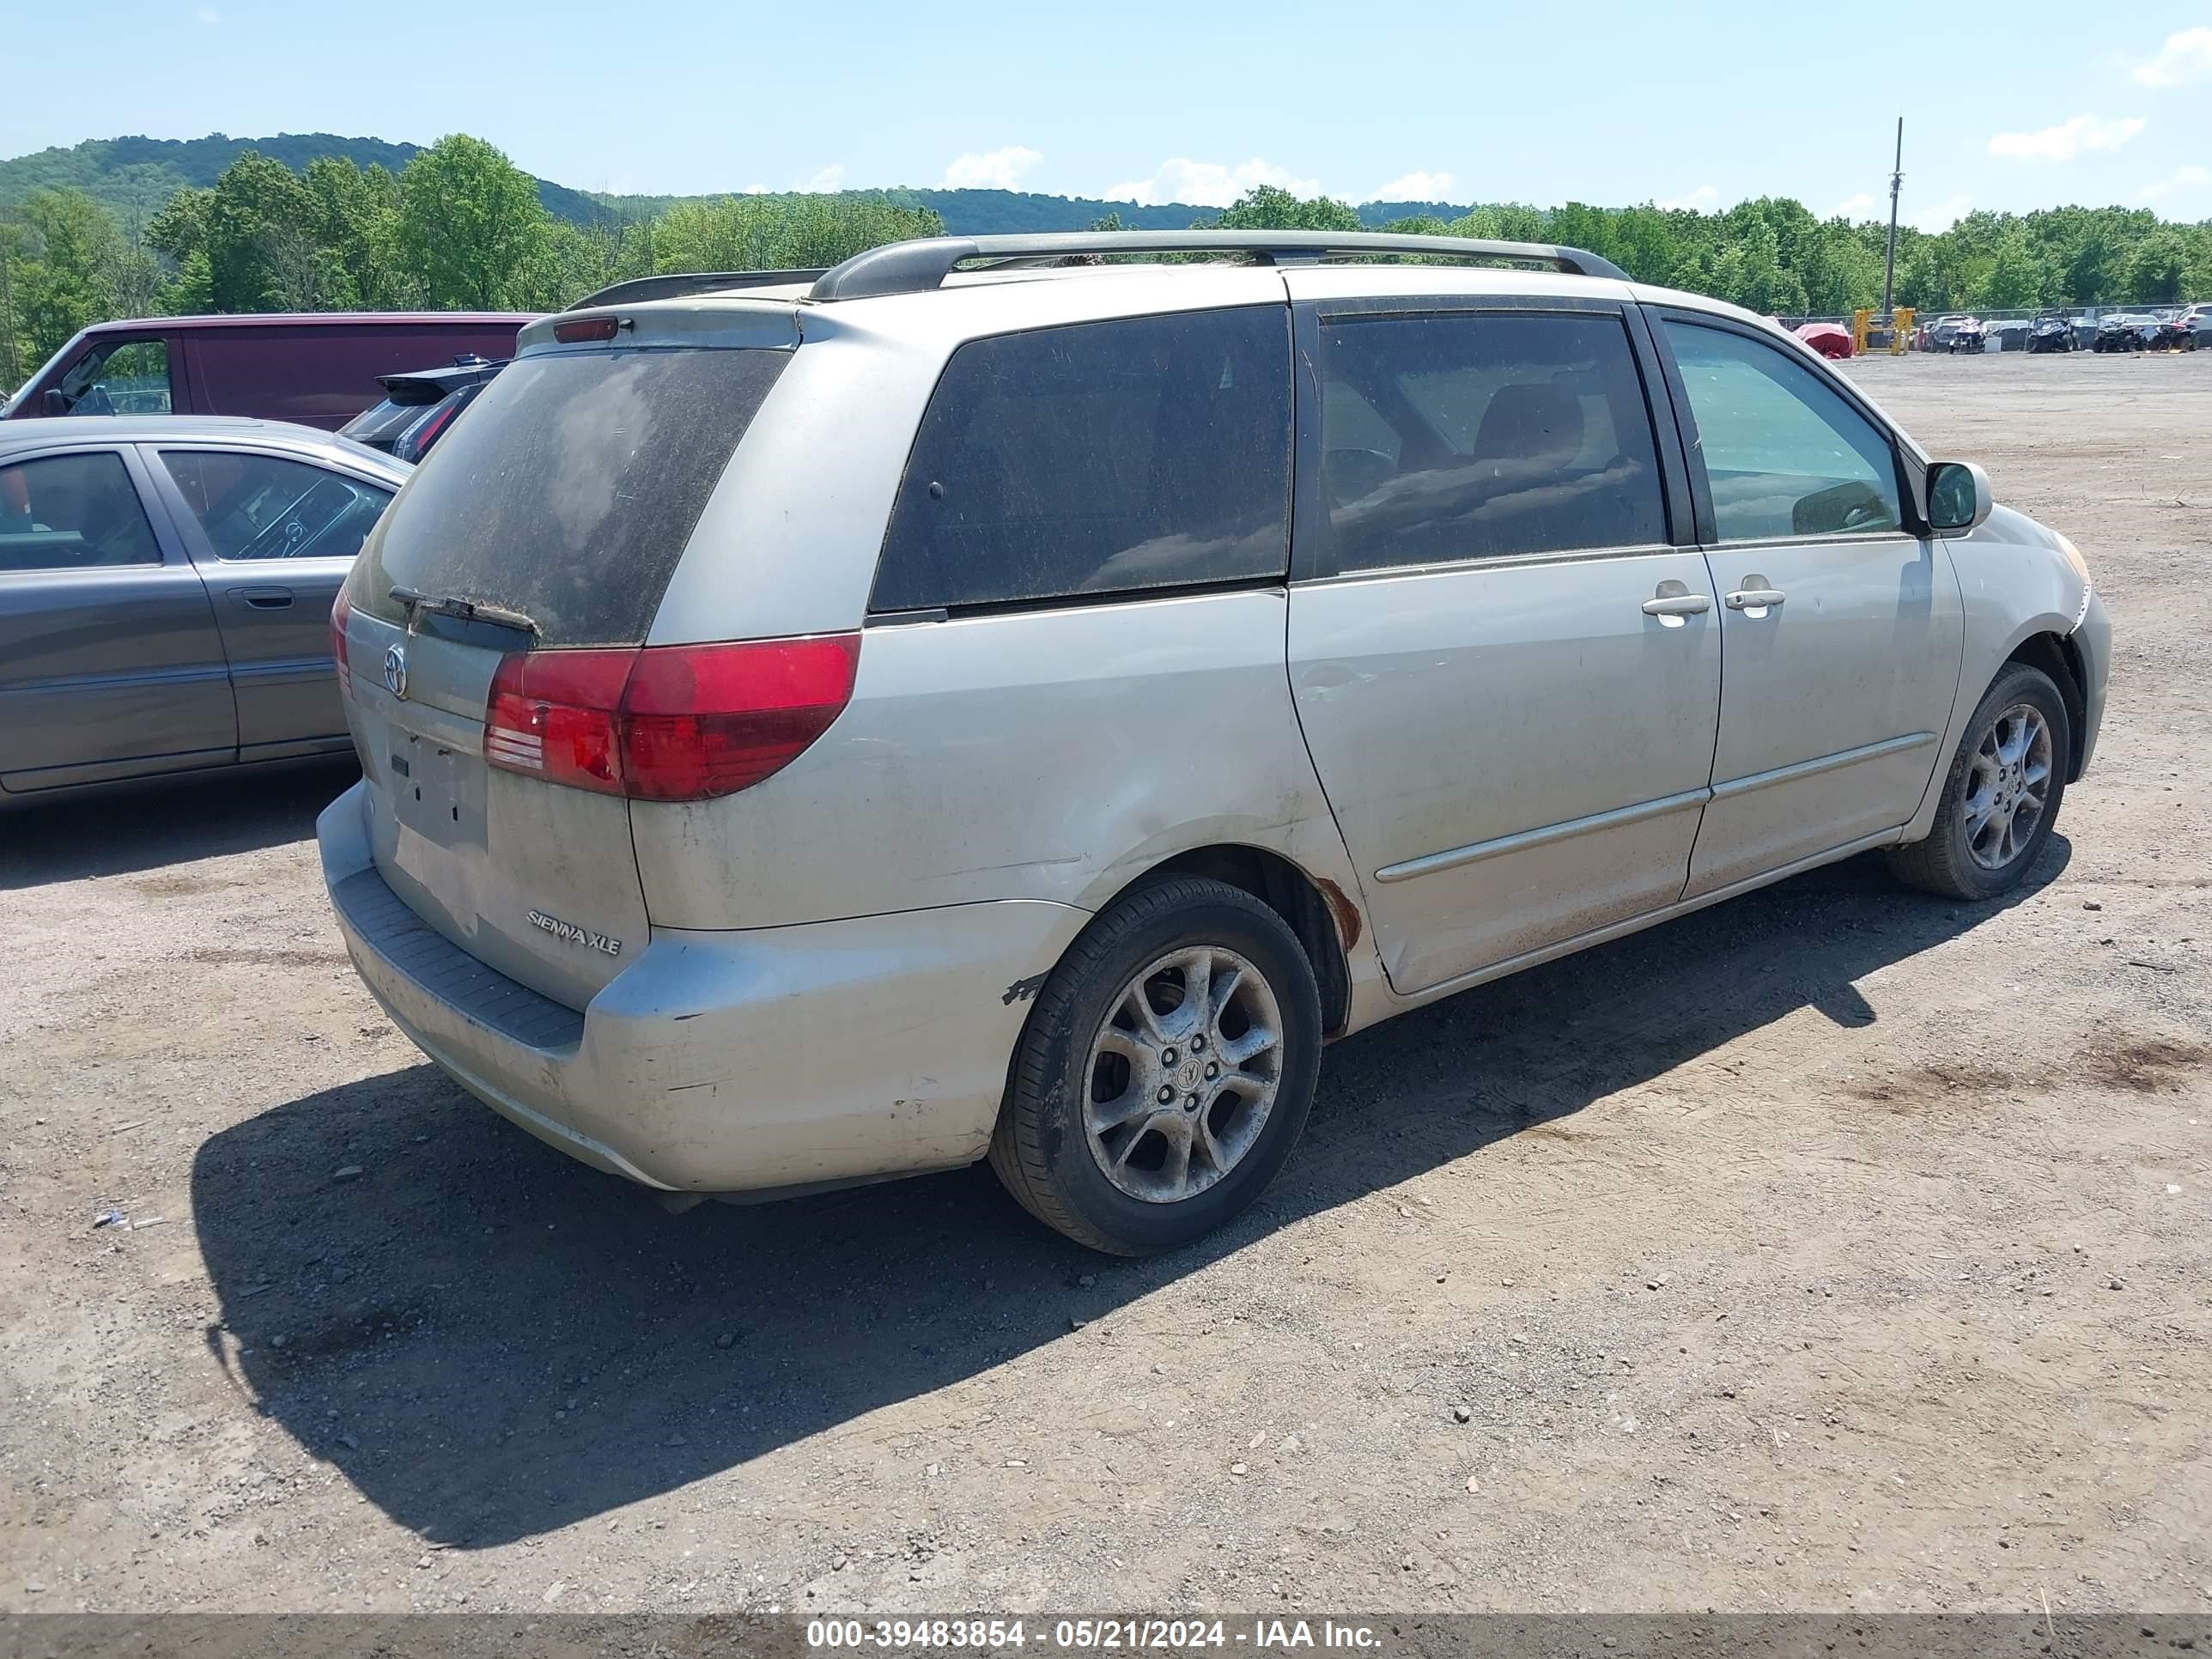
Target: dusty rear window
(569, 489)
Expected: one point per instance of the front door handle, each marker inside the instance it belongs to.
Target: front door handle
(1754, 600)
(261, 598)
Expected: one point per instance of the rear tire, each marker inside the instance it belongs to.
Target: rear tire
(1135, 1120)
(2000, 795)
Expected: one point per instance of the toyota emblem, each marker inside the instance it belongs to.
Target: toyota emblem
(395, 670)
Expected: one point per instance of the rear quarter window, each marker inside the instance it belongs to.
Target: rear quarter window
(570, 490)
(1101, 458)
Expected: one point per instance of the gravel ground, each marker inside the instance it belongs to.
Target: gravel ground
(1836, 1249)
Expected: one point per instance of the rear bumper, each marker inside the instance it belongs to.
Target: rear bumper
(728, 1061)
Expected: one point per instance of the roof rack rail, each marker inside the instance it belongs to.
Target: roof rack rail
(916, 267)
(639, 289)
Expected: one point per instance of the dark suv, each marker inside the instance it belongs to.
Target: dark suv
(418, 407)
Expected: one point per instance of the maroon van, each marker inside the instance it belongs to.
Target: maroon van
(319, 368)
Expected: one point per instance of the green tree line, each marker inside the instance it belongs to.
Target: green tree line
(1773, 256)
(460, 227)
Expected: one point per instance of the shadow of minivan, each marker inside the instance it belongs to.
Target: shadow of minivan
(317, 369)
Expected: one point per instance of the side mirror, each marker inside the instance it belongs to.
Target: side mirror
(1958, 497)
(53, 402)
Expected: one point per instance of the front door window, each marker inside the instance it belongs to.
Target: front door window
(1786, 454)
(119, 377)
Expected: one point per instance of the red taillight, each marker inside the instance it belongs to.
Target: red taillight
(419, 441)
(552, 715)
(339, 612)
(587, 329)
(670, 722)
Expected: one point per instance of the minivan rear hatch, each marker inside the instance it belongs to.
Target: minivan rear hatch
(533, 545)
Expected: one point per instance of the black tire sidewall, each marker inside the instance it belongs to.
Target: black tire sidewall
(1262, 938)
(2020, 684)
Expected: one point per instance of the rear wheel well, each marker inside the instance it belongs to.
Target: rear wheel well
(1324, 920)
(2061, 659)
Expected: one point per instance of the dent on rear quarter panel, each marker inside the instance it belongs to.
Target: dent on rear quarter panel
(1047, 753)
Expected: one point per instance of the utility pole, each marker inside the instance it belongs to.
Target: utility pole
(1896, 184)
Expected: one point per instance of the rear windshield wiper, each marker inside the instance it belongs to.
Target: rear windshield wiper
(436, 604)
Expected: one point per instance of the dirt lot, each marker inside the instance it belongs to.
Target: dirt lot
(1836, 1249)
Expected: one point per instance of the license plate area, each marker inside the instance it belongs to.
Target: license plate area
(437, 793)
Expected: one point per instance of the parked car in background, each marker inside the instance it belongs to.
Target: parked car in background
(165, 594)
(2170, 332)
(317, 369)
(1829, 339)
(418, 407)
(1956, 333)
(2052, 331)
(680, 669)
(2199, 320)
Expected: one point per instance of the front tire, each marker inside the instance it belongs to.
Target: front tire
(2001, 794)
(1166, 1071)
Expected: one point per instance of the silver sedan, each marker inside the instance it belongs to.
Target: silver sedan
(166, 586)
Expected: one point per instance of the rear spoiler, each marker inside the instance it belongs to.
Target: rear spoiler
(638, 289)
(428, 385)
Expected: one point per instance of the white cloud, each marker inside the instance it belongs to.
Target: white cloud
(1700, 199)
(1941, 217)
(2068, 139)
(2190, 178)
(1207, 184)
(831, 178)
(207, 16)
(2185, 57)
(1853, 208)
(991, 169)
(1415, 187)
(754, 190)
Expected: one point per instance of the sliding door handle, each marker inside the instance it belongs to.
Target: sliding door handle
(1678, 604)
(1754, 601)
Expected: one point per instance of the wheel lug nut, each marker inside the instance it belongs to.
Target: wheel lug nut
(1190, 1103)
(1212, 1069)
(1198, 1045)
(1167, 1056)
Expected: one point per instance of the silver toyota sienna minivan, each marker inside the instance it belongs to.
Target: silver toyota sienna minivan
(1020, 698)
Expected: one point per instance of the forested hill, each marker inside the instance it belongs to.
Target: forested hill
(134, 178)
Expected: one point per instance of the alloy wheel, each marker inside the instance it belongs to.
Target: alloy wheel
(1183, 1073)
(2008, 786)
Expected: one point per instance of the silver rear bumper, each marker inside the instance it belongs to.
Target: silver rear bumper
(725, 1061)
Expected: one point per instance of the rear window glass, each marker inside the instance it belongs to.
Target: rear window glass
(379, 425)
(1471, 436)
(1103, 457)
(569, 492)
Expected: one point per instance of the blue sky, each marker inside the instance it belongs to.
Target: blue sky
(2015, 106)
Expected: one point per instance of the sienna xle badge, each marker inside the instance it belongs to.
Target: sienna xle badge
(979, 701)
